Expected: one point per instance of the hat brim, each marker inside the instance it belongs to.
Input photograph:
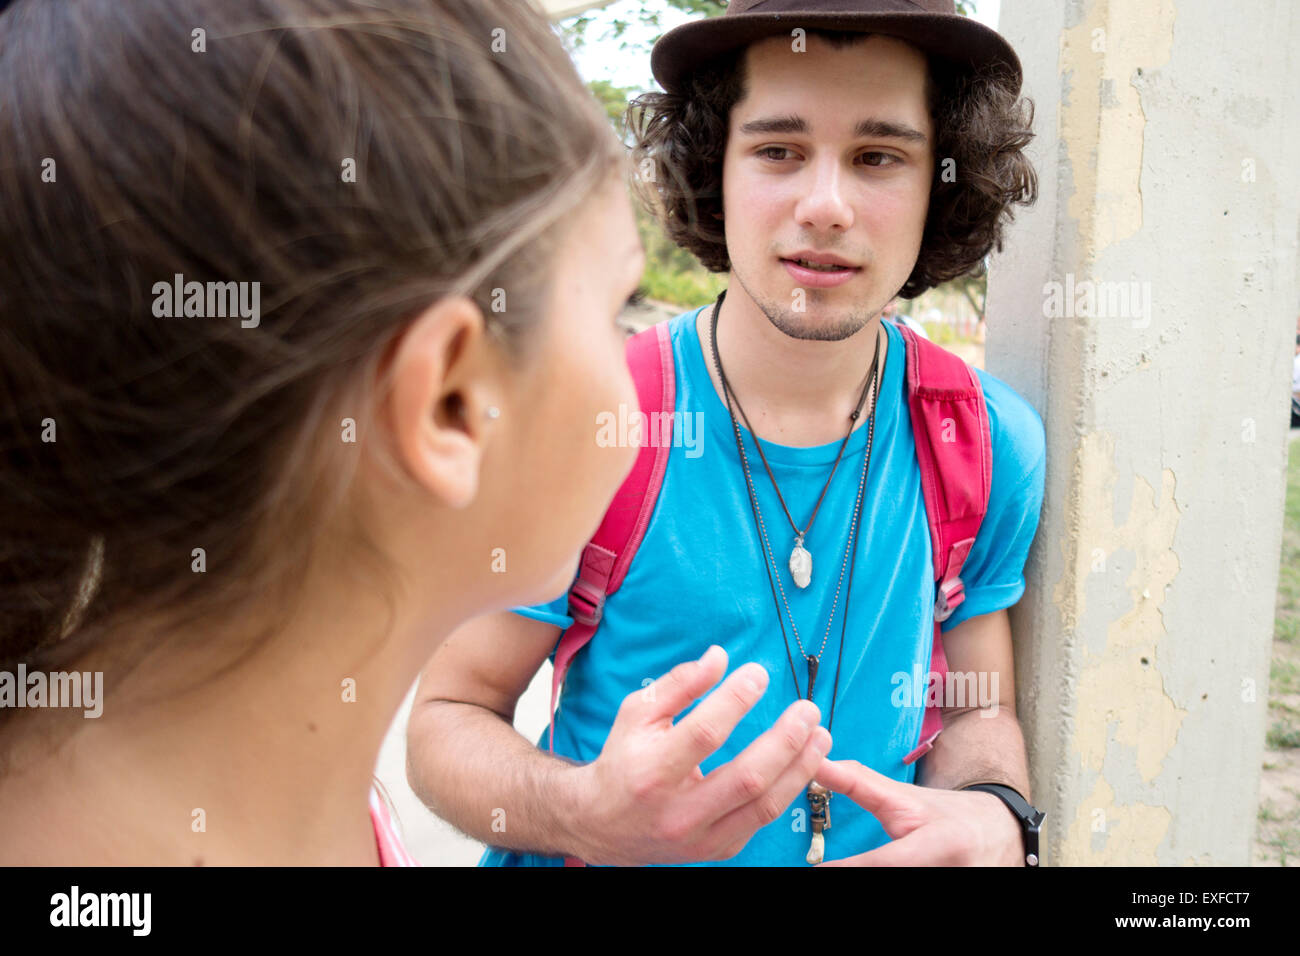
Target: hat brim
(966, 42)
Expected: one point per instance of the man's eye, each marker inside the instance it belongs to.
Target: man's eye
(773, 149)
(893, 160)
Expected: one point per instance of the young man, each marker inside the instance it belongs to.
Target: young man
(825, 174)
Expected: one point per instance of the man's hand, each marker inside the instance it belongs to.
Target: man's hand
(927, 826)
(645, 799)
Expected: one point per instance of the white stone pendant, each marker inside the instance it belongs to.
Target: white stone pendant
(800, 565)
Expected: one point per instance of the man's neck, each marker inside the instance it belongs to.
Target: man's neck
(796, 392)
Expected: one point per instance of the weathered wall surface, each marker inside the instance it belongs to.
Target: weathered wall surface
(1146, 307)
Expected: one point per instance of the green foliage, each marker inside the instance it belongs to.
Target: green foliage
(574, 29)
(1284, 677)
(941, 333)
(700, 8)
(1282, 737)
(683, 289)
(614, 99)
(672, 274)
(1286, 620)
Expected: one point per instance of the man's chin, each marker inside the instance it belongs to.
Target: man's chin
(819, 324)
(826, 314)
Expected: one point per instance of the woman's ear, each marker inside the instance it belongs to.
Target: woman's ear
(444, 398)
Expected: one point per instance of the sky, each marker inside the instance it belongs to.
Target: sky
(607, 59)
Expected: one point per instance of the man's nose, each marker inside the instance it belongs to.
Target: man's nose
(824, 204)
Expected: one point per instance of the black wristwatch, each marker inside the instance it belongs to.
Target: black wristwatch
(1030, 817)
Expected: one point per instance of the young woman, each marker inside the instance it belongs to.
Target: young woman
(303, 304)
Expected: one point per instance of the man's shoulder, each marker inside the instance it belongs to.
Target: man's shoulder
(1016, 429)
(681, 329)
(1019, 438)
(683, 322)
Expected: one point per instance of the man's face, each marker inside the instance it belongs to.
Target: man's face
(829, 156)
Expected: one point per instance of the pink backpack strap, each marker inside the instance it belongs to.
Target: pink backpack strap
(954, 447)
(391, 850)
(606, 558)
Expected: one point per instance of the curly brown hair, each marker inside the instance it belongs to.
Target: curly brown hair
(981, 121)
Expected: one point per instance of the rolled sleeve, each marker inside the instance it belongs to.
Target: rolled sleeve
(553, 612)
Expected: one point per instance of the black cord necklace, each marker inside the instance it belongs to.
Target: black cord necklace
(818, 796)
(801, 563)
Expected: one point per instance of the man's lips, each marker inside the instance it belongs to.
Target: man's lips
(820, 278)
(820, 258)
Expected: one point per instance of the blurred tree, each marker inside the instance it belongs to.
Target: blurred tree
(700, 8)
(974, 287)
(672, 274)
(614, 99)
(574, 29)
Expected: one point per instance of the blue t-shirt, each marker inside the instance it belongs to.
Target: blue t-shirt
(698, 579)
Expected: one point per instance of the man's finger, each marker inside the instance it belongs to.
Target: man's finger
(879, 795)
(921, 847)
(707, 727)
(678, 689)
(751, 773)
(792, 783)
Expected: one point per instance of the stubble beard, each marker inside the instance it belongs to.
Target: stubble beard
(798, 325)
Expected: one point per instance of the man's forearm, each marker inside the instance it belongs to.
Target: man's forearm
(975, 748)
(474, 770)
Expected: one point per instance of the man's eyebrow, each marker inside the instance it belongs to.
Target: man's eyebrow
(776, 124)
(867, 128)
(886, 129)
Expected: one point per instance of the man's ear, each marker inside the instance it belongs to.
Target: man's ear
(442, 386)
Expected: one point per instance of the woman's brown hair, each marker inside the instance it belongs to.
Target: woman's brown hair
(358, 159)
(981, 123)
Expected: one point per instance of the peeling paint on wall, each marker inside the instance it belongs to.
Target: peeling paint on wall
(1160, 164)
(1102, 122)
(1128, 835)
(1120, 692)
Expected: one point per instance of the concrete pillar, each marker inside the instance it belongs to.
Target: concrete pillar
(1146, 307)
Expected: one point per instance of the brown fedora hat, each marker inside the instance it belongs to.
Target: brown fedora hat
(934, 26)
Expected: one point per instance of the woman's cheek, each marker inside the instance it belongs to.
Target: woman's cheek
(615, 404)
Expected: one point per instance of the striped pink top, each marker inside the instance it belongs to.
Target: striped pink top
(391, 851)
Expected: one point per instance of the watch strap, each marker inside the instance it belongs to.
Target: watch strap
(1030, 817)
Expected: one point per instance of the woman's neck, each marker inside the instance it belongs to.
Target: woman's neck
(268, 762)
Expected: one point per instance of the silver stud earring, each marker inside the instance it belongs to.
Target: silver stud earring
(492, 412)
